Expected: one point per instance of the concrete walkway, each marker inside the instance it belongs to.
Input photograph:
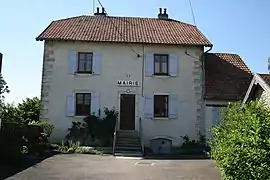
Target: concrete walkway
(93, 167)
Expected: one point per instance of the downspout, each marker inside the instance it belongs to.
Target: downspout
(203, 86)
(203, 70)
(143, 59)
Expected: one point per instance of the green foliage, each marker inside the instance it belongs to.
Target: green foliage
(193, 146)
(24, 112)
(94, 130)
(9, 113)
(3, 88)
(46, 126)
(240, 143)
(29, 110)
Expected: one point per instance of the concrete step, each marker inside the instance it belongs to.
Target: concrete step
(128, 145)
(128, 148)
(127, 138)
(127, 133)
(128, 154)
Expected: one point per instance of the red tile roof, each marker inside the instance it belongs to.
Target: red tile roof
(124, 30)
(266, 78)
(227, 77)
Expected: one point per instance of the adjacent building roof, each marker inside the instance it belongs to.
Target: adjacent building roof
(227, 77)
(124, 30)
(266, 78)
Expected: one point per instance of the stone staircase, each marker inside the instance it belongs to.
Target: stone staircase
(128, 144)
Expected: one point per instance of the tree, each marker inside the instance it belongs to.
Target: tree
(24, 112)
(29, 110)
(3, 88)
(240, 143)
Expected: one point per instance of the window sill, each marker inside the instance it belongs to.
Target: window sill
(161, 76)
(83, 74)
(161, 118)
(78, 116)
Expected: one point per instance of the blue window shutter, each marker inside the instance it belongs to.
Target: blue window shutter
(70, 105)
(72, 62)
(173, 64)
(149, 106)
(95, 105)
(97, 63)
(173, 106)
(216, 115)
(149, 65)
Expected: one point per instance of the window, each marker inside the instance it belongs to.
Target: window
(83, 104)
(161, 62)
(85, 62)
(161, 105)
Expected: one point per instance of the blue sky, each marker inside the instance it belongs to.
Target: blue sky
(235, 26)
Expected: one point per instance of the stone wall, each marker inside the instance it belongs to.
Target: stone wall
(47, 72)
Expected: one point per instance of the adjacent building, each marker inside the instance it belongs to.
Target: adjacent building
(259, 89)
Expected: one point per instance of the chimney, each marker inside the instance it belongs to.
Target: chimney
(103, 13)
(163, 15)
(1, 59)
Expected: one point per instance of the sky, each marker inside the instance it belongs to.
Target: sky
(233, 26)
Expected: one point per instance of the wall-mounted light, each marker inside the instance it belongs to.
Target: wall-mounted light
(128, 91)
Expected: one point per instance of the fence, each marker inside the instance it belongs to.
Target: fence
(16, 140)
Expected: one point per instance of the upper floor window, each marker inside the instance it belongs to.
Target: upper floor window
(83, 104)
(161, 62)
(85, 62)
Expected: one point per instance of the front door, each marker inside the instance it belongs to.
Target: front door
(127, 112)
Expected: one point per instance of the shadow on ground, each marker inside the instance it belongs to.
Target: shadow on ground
(9, 169)
(177, 157)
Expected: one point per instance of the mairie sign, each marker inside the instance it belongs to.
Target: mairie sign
(128, 83)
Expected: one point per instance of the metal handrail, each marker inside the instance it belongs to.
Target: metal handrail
(141, 134)
(114, 135)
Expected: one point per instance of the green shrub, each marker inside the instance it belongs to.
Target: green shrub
(240, 144)
(46, 126)
(94, 130)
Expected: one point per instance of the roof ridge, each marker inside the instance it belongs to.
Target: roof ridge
(135, 17)
(64, 19)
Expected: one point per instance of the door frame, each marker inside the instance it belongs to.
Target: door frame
(119, 93)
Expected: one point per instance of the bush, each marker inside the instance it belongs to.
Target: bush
(240, 143)
(192, 146)
(94, 130)
(46, 126)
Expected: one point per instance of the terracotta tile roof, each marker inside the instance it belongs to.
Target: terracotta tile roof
(266, 78)
(124, 30)
(227, 77)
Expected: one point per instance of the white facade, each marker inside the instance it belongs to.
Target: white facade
(113, 62)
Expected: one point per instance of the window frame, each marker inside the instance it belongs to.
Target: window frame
(166, 111)
(85, 71)
(160, 73)
(85, 106)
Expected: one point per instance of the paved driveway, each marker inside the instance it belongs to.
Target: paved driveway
(79, 167)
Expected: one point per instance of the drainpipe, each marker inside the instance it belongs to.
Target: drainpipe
(203, 82)
(143, 59)
(203, 70)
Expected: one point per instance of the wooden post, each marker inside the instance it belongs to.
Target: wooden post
(1, 59)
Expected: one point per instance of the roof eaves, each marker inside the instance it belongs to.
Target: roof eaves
(39, 37)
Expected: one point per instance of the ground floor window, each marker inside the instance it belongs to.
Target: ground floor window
(161, 105)
(83, 104)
